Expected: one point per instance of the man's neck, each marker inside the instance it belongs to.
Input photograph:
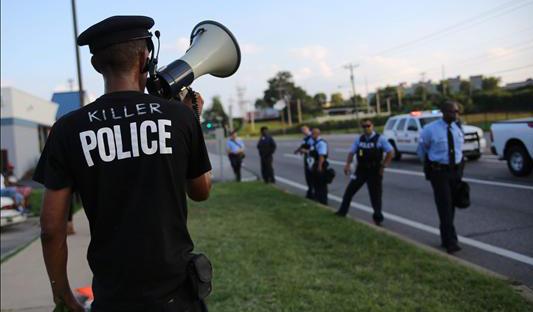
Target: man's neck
(117, 83)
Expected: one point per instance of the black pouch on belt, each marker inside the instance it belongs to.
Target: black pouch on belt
(200, 274)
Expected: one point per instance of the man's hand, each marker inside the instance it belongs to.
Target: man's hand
(381, 170)
(188, 100)
(68, 302)
(347, 169)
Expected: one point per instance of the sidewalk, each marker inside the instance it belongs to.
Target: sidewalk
(24, 281)
(226, 174)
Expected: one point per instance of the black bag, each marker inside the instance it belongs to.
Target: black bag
(461, 195)
(330, 175)
(200, 274)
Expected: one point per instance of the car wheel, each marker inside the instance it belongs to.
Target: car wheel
(518, 161)
(474, 157)
(397, 154)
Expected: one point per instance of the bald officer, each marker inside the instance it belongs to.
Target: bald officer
(317, 163)
(134, 158)
(441, 148)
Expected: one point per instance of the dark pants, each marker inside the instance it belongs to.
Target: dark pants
(236, 162)
(309, 180)
(444, 181)
(320, 186)
(267, 171)
(374, 183)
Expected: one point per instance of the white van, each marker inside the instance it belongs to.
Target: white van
(403, 132)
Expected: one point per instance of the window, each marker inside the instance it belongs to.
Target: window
(401, 124)
(412, 126)
(390, 124)
(428, 120)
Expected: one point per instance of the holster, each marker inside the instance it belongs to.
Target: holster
(200, 274)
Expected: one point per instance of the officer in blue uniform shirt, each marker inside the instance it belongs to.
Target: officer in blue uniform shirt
(317, 163)
(304, 148)
(369, 149)
(440, 148)
(235, 151)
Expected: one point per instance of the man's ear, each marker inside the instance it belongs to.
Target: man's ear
(95, 64)
(144, 61)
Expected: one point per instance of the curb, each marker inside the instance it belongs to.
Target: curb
(521, 289)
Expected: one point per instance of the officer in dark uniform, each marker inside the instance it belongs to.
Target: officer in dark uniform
(317, 162)
(440, 148)
(304, 148)
(266, 147)
(369, 149)
(134, 158)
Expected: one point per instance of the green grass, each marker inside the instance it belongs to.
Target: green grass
(273, 251)
(36, 200)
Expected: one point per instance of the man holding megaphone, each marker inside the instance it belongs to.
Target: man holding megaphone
(134, 158)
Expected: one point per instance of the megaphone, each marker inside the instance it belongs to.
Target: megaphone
(213, 50)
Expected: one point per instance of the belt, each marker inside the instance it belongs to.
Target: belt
(438, 166)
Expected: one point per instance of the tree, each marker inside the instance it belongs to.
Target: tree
(281, 86)
(336, 99)
(490, 83)
(216, 111)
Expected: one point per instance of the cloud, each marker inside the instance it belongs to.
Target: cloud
(317, 54)
(250, 48)
(180, 45)
(303, 73)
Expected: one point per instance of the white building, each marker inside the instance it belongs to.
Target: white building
(476, 83)
(25, 123)
(521, 84)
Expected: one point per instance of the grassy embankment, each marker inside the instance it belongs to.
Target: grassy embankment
(273, 251)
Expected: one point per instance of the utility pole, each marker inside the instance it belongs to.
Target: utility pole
(299, 107)
(399, 92)
(443, 82)
(422, 82)
(367, 102)
(378, 105)
(283, 97)
(351, 67)
(75, 22)
(231, 117)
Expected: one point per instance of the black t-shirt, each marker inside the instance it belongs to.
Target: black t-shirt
(129, 155)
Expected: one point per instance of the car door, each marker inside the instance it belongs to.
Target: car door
(401, 135)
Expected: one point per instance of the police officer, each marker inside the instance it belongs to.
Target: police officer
(440, 147)
(235, 150)
(266, 147)
(369, 149)
(317, 163)
(134, 158)
(304, 148)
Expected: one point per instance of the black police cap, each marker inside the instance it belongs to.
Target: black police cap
(115, 29)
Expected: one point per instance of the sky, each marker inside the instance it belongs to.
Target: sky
(391, 41)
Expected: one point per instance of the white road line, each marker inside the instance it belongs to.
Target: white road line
(420, 226)
(421, 174)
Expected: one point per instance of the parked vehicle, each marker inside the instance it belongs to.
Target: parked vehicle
(403, 132)
(9, 214)
(512, 140)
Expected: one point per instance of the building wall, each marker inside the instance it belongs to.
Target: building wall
(22, 142)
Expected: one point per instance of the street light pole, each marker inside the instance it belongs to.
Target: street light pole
(75, 22)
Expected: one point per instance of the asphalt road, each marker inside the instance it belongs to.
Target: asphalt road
(496, 232)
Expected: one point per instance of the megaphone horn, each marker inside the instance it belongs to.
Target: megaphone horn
(213, 50)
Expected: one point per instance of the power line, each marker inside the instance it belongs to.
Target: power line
(511, 69)
(507, 8)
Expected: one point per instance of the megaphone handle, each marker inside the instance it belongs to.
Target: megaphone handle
(194, 99)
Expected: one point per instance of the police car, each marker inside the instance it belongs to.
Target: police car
(403, 132)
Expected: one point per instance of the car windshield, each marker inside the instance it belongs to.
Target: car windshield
(427, 120)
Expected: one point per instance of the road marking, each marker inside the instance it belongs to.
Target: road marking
(429, 229)
(421, 174)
